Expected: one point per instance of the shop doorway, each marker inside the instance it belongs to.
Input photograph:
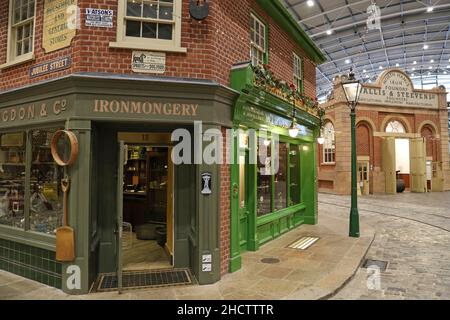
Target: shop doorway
(363, 176)
(404, 164)
(146, 239)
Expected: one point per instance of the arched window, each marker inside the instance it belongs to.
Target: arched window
(395, 127)
(329, 146)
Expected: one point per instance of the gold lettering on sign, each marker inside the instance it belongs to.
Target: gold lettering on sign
(28, 112)
(60, 23)
(145, 107)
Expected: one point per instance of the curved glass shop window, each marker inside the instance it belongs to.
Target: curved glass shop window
(12, 179)
(264, 179)
(46, 196)
(281, 177)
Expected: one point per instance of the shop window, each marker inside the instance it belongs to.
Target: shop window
(281, 178)
(329, 146)
(12, 179)
(395, 127)
(145, 24)
(298, 73)
(294, 167)
(264, 182)
(21, 32)
(257, 41)
(46, 196)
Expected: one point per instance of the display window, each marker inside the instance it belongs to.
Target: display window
(33, 177)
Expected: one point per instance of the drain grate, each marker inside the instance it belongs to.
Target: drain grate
(370, 263)
(145, 279)
(303, 243)
(270, 260)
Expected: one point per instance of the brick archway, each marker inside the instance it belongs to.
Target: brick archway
(428, 132)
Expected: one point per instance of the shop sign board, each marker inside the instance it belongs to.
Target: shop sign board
(34, 111)
(397, 90)
(149, 62)
(51, 66)
(99, 18)
(60, 19)
(256, 115)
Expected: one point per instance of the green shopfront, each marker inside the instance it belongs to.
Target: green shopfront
(106, 113)
(269, 200)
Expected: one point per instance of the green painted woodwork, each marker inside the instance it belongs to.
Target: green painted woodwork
(285, 20)
(354, 213)
(257, 109)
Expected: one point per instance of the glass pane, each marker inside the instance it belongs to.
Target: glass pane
(19, 34)
(24, 12)
(133, 29)
(31, 9)
(264, 185)
(242, 181)
(294, 175)
(26, 46)
(134, 8)
(16, 15)
(165, 12)
(281, 178)
(19, 48)
(165, 31)
(150, 10)
(12, 179)
(26, 31)
(149, 30)
(46, 196)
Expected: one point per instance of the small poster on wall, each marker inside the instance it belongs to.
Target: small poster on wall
(149, 62)
(99, 18)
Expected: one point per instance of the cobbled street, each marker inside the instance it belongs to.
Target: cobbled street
(412, 235)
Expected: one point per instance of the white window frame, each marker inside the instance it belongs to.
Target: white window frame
(395, 126)
(11, 58)
(122, 41)
(329, 154)
(263, 50)
(298, 72)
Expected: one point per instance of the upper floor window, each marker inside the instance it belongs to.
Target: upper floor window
(298, 73)
(329, 146)
(395, 127)
(20, 31)
(149, 24)
(257, 41)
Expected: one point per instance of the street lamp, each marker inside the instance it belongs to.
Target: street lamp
(352, 90)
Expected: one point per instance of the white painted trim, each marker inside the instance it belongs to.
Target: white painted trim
(22, 59)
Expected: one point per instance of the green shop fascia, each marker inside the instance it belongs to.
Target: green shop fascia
(267, 203)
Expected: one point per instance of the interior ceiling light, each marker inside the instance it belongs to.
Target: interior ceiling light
(431, 61)
(425, 47)
(430, 67)
(380, 67)
(415, 62)
(430, 9)
(412, 75)
(310, 3)
(364, 71)
(397, 65)
(429, 73)
(347, 61)
(329, 32)
(413, 69)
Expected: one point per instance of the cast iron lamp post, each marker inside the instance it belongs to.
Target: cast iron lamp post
(352, 90)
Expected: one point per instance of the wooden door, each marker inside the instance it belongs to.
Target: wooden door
(418, 165)
(388, 164)
(363, 177)
(437, 177)
(170, 213)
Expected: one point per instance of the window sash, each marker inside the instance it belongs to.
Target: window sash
(258, 41)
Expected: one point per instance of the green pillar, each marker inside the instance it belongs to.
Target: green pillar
(235, 250)
(354, 214)
(75, 275)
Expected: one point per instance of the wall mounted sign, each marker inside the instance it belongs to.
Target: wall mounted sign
(60, 19)
(206, 183)
(99, 18)
(145, 107)
(34, 111)
(148, 62)
(397, 90)
(51, 66)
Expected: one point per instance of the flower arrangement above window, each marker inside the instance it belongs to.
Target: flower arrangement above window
(266, 80)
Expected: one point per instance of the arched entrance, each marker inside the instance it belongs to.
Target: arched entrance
(363, 152)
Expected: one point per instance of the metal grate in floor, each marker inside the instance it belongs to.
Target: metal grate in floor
(303, 243)
(145, 279)
(380, 264)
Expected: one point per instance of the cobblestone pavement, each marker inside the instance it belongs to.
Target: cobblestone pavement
(412, 234)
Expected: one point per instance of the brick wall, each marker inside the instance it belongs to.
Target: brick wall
(225, 209)
(213, 46)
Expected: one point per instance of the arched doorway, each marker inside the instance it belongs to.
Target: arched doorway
(363, 152)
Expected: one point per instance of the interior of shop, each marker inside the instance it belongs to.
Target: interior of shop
(147, 209)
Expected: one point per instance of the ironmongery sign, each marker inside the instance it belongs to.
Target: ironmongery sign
(60, 22)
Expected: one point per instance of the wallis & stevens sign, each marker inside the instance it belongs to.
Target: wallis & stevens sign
(397, 90)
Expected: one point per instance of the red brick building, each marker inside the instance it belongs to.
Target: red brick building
(131, 71)
(401, 135)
